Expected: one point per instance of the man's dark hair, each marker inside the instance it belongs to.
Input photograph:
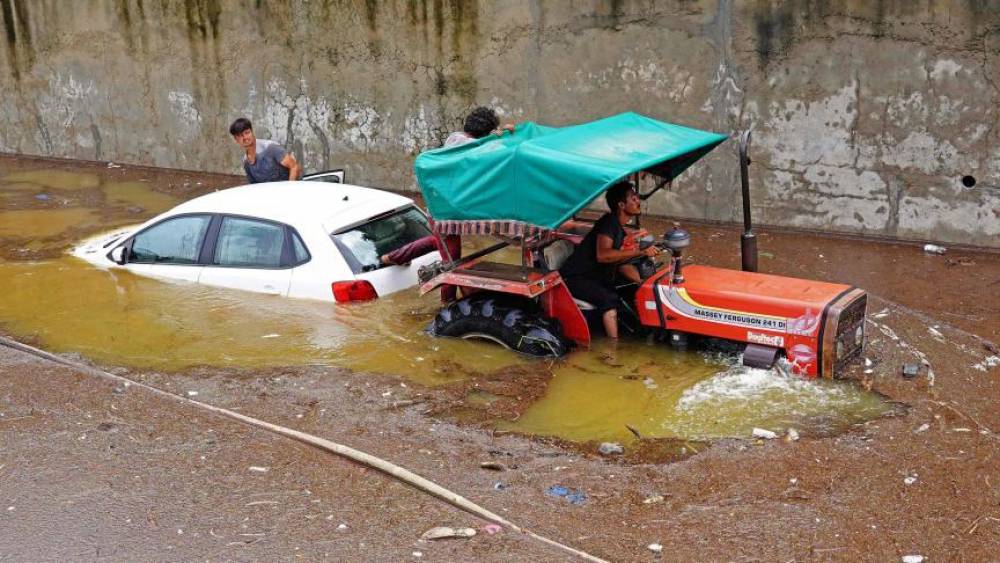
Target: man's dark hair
(480, 122)
(239, 126)
(617, 193)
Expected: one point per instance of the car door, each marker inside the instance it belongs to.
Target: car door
(169, 249)
(250, 254)
(335, 176)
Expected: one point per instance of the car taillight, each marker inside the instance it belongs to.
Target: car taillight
(359, 290)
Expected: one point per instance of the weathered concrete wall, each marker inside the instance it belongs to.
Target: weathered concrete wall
(867, 112)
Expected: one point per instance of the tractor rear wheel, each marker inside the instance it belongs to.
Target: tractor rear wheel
(513, 323)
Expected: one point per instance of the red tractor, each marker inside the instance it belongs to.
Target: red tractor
(530, 188)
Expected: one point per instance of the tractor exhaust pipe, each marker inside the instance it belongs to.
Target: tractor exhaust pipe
(748, 241)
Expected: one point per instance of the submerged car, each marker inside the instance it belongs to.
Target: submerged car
(317, 240)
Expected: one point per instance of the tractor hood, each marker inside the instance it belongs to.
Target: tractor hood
(539, 177)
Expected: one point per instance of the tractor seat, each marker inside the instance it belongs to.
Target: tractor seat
(554, 255)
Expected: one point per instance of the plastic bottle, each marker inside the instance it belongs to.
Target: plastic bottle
(934, 249)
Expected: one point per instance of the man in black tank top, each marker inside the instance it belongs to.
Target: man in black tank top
(590, 271)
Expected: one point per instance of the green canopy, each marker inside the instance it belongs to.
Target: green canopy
(541, 176)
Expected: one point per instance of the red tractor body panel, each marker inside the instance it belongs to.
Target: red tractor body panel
(805, 319)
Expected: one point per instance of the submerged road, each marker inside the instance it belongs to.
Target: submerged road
(91, 470)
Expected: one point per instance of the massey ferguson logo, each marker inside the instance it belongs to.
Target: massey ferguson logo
(766, 339)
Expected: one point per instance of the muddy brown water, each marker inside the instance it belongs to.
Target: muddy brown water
(119, 319)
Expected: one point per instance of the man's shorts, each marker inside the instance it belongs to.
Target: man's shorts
(601, 296)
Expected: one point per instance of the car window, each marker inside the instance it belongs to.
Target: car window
(364, 244)
(249, 243)
(301, 254)
(174, 241)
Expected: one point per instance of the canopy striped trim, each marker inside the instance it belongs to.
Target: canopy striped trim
(503, 228)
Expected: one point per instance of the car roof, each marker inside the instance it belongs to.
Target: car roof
(330, 204)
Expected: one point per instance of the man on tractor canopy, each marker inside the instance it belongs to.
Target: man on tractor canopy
(590, 271)
(480, 122)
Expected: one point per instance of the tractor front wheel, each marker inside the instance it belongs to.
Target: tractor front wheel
(512, 323)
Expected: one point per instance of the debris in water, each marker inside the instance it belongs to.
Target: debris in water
(258, 469)
(611, 448)
(649, 383)
(653, 499)
(113, 165)
(934, 249)
(913, 559)
(418, 554)
(910, 370)
(910, 479)
(923, 428)
(341, 526)
(792, 435)
(192, 393)
(765, 434)
(492, 466)
(655, 547)
(574, 497)
(987, 363)
(272, 335)
(491, 529)
(500, 486)
(935, 332)
(42, 197)
(444, 532)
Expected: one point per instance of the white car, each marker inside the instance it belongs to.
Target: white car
(316, 240)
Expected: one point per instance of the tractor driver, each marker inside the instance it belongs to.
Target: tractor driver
(590, 271)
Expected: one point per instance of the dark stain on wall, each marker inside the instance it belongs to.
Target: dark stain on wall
(202, 22)
(10, 33)
(202, 17)
(774, 26)
(371, 14)
(778, 24)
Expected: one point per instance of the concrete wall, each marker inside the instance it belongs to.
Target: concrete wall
(866, 112)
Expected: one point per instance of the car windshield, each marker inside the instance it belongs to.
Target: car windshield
(362, 245)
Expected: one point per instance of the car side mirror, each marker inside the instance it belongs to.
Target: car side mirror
(119, 255)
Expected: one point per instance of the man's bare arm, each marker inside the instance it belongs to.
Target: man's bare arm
(606, 253)
(293, 166)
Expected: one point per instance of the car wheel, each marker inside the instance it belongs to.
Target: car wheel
(513, 323)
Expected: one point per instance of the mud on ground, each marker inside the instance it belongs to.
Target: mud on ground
(89, 470)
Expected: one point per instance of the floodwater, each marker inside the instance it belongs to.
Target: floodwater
(119, 319)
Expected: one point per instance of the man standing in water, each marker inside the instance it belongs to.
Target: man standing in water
(263, 159)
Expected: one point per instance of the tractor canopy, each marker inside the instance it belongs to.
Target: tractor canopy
(539, 177)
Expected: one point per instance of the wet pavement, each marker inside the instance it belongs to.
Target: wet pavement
(294, 360)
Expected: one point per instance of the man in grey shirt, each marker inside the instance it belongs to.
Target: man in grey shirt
(264, 160)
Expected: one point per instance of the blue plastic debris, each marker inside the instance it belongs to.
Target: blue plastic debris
(42, 197)
(574, 497)
(557, 491)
